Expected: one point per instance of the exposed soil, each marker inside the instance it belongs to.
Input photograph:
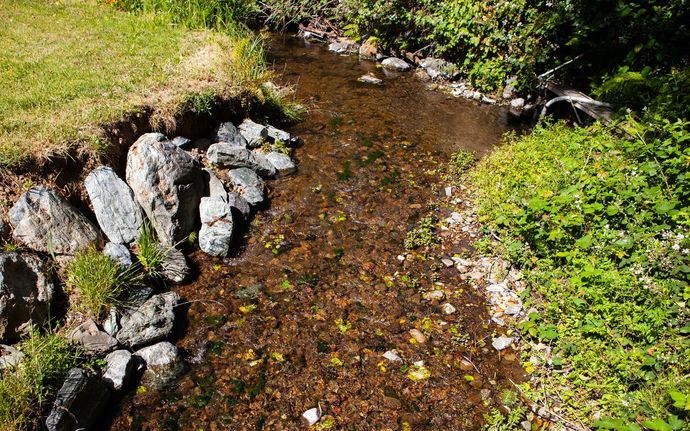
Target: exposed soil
(300, 315)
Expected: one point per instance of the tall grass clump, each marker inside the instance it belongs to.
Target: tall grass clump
(100, 281)
(25, 390)
(600, 224)
(150, 253)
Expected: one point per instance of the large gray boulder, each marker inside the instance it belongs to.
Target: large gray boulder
(249, 185)
(229, 134)
(119, 370)
(231, 156)
(45, 222)
(254, 133)
(214, 186)
(79, 402)
(168, 183)
(215, 235)
(393, 63)
(282, 162)
(163, 364)
(152, 321)
(118, 214)
(25, 294)
(239, 204)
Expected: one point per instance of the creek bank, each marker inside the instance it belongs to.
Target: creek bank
(176, 191)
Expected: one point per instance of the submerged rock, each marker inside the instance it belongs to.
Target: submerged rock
(370, 79)
(216, 231)
(282, 163)
(163, 364)
(396, 64)
(253, 133)
(152, 321)
(228, 133)
(344, 46)
(118, 253)
(168, 184)
(79, 402)
(118, 214)
(249, 185)
(25, 294)
(92, 339)
(230, 156)
(120, 368)
(45, 222)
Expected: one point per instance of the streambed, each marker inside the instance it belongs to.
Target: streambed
(301, 313)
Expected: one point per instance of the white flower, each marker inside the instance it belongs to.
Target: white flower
(685, 251)
(676, 247)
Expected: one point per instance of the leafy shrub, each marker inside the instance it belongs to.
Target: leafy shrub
(25, 390)
(99, 281)
(600, 225)
(424, 234)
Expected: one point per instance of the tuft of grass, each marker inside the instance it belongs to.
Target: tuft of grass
(424, 235)
(26, 389)
(61, 85)
(99, 281)
(150, 254)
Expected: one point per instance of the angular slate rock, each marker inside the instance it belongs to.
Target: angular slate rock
(118, 214)
(254, 133)
(216, 231)
(151, 322)
(118, 253)
(121, 367)
(230, 156)
(79, 402)
(182, 142)
(168, 183)
(92, 339)
(282, 163)
(25, 294)
(174, 267)
(228, 133)
(45, 222)
(249, 185)
(163, 364)
(239, 204)
(214, 186)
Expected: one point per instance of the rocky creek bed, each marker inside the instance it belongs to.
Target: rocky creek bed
(297, 303)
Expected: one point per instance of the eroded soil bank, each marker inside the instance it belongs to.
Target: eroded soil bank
(301, 314)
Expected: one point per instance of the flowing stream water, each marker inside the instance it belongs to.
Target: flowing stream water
(300, 315)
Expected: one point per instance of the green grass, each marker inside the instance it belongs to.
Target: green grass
(99, 281)
(150, 253)
(600, 225)
(69, 68)
(25, 390)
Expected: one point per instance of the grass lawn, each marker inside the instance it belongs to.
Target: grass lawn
(69, 67)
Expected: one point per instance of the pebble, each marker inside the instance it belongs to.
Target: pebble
(447, 262)
(449, 191)
(418, 336)
(514, 309)
(311, 416)
(448, 308)
(392, 356)
(502, 342)
(370, 79)
(435, 295)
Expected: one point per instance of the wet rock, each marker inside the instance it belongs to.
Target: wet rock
(239, 204)
(168, 183)
(25, 294)
(311, 416)
(182, 142)
(418, 336)
(118, 253)
(228, 133)
(79, 402)
(163, 364)
(121, 367)
(118, 214)
(282, 163)
(276, 135)
(254, 133)
(509, 89)
(174, 267)
(216, 226)
(369, 49)
(488, 100)
(249, 185)
(393, 63)
(517, 106)
(9, 357)
(370, 79)
(45, 222)
(214, 185)
(439, 69)
(249, 293)
(502, 342)
(92, 339)
(152, 321)
(111, 323)
(344, 46)
(448, 308)
(230, 156)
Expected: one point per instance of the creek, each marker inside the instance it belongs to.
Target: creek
(301, 313)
